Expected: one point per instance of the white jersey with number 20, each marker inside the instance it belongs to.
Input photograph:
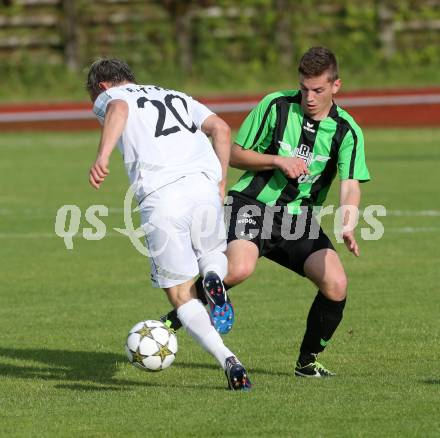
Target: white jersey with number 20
(162, 140)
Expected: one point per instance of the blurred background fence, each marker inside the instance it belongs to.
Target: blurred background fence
(214, 41)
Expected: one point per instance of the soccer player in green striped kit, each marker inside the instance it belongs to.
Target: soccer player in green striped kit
(292, 145)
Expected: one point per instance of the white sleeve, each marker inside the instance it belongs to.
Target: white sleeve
(100, 105)
(200, 113)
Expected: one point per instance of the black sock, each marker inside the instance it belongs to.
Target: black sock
(322, 321)
(200, 291)
(172, 315)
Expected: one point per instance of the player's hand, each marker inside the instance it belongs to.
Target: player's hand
(292, 167)
(350, 242)
(222, 189)
(98, 172)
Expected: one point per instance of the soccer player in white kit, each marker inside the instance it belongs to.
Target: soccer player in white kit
(179, 181)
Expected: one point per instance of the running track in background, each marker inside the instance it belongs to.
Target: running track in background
(389, 108)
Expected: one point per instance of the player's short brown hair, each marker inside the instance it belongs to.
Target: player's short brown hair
(318, 60)
(107, 70)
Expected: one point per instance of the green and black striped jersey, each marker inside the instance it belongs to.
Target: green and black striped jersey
(278, 126)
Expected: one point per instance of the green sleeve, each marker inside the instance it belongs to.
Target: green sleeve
(256, 131)
(351, 158)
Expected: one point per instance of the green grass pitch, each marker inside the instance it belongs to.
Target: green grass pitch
(64, 314)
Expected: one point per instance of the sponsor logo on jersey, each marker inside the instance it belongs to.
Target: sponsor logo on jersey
(303, 152)
(286, 147)
(320, 158)
(247, 236)
(246, 218)
(309, 127)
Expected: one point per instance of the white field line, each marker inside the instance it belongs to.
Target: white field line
(227, 107)
(44, 116)
(406, 230)
(410, 99)
(40, 211)
(409, 213)
(414, 213)
(412, 230)
(50, 235)
(395, 213)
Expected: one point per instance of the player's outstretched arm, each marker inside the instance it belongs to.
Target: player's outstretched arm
(114, 124)
(349, 201)
(247, 159)
(220, 133)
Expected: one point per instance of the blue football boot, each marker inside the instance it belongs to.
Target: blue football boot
(221, 310)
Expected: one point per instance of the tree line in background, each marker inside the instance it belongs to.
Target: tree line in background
(217, 41)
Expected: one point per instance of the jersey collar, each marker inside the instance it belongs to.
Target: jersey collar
(333, 113)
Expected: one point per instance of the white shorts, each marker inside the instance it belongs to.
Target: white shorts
(182, 221)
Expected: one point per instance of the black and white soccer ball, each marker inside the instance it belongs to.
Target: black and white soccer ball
(151, 346)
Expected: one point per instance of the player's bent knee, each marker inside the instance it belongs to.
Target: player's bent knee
(336, 288)
(238, 273)
(340, 288)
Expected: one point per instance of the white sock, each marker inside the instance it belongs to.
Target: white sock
(195, 319)
(214, 261)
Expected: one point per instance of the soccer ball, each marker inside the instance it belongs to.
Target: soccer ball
(151, 346)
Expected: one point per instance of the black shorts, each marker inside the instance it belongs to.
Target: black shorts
(281, 237)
